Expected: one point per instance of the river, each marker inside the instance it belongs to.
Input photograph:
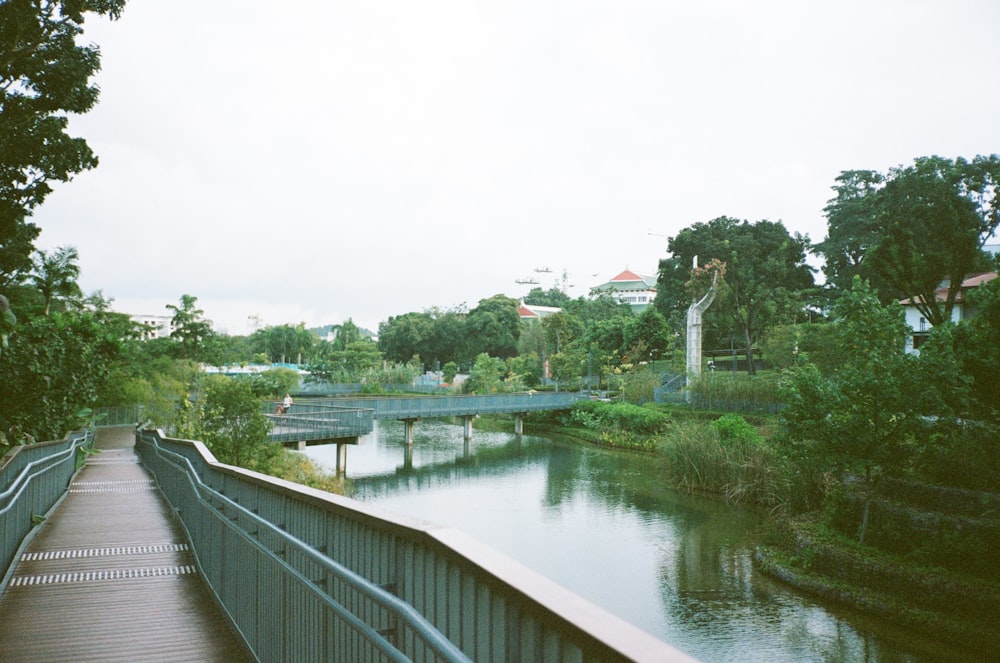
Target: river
(602, 524)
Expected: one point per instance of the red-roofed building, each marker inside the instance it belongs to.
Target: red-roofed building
(531, 312)
(963, 309)
(636, 290)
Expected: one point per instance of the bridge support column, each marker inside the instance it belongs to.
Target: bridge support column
(341, 458)
(408, 429)
(519, 423)
(467, 427)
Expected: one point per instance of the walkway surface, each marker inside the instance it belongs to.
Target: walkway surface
(110, 577)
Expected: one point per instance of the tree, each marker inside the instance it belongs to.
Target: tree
(863, 412)
(403, 336)
(914, 228)
(190, 329)
(487, 375)
(651, 330)
(53, 367)
(232, 424)
(766, 275)
(561, 329)
(494, 326)
(551, 297)
(44, 75)
(55, 275)
(286, 343)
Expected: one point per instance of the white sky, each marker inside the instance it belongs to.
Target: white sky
(310, 161)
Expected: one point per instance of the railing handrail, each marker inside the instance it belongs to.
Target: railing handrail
(417, 622)
(27, 473)
(488, 605)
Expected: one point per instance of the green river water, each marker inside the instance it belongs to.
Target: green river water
(603, 525)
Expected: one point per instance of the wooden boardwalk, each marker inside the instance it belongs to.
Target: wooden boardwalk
(109, 576)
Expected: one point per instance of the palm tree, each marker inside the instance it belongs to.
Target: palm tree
(55, 275)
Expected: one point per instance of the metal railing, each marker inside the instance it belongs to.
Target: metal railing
(310, 420)
(123, 415)
(311, 576)
(33, 478)
(417, 407)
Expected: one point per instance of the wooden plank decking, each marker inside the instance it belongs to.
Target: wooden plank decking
(109, 576)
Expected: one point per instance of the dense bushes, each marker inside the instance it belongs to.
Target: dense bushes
(604, 415)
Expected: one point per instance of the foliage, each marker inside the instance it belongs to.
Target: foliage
(734, 429)
(229, 419)
(728, 460)
(44, 76)
(449, 371)
(616, 416)
(355, 363)
(863, 413)
(287, 343)
(730, 390)
(527, 367)
(638, 385)
(494, 326)
(299, 468)
(766, 277)
(437, 336)
(913, 228)
(648, 337)
(487, 375)
(189, 327)
(55, 275)
(52, 368)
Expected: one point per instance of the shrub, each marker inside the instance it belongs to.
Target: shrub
(602, 415)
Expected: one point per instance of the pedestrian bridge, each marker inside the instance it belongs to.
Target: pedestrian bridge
(342, 421)
(155, 551)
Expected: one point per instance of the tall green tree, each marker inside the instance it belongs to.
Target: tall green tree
(53, 367)
(232, 424)
(45, 72)
(55, 275)
(766, 275)
(494, 326)
(860, 415)
(189, 326)
(914, 228)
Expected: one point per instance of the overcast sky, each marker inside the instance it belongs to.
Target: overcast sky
(313, 161)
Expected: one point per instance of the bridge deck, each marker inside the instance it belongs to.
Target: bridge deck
(109, 576)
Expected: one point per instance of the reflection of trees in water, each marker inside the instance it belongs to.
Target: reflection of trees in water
(707, 580)
(495, 460)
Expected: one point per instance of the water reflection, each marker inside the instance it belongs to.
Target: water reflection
(603, 525)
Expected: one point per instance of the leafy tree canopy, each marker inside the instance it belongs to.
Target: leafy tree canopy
(913, 228)
(44, 76)
(766, 275)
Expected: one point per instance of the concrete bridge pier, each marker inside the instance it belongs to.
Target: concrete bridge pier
(341, 468)
(408, 429)
(467, 427)
(519, 423)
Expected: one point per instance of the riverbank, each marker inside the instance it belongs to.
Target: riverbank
(914, 587)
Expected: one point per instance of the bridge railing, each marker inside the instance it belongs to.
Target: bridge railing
(312, 421)
(311, 576)
(401, 407)
(32, 479)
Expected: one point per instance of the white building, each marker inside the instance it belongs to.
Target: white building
(963, 309)
(160, 325)
(636, 290)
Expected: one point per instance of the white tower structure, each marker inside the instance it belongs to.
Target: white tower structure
(694, 326)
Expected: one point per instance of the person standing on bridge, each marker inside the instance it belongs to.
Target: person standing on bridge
(286, 405)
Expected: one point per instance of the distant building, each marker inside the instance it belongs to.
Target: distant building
(530, 312)
(636, 290)
(160, 325)
(963, 309)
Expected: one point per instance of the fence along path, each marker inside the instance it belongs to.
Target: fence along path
(109, 576)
